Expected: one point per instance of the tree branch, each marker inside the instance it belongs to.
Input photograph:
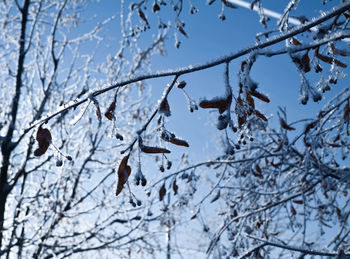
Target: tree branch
(187, 70)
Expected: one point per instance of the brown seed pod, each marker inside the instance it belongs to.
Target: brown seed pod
(124, 172)
(43, 136)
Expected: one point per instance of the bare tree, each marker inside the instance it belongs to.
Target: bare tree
(57, 184)
(275, 192)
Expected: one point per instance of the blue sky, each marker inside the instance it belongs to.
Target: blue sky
(210, 38)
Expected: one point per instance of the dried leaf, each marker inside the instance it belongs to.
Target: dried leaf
(250, 100)
(43, 136)
(339, 63)
(266, 235)
(156, 7)
(143, 17)
(285, 125)
(164, 108)
(338, 211)
(179, 142)
(260, 96)
(229, 4)
(260, 115)
(257, 167)
(341, 52)
(294, 212)
(242, 118)
(124, 172)
(97, 106)
(181, 29)
(175, 187)
(218, 103)
(298, 201)
(295, 42)
(322, 207)
(162, 192)
(305, 63)
(330, 60)
(259, 224)
(275, 165)
(257, 174)
(235, 214)
(279, 148)
(310, 126)
(154, 150)
(110, 111)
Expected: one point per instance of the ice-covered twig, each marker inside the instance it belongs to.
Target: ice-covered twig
(144, 127)
(293, 248)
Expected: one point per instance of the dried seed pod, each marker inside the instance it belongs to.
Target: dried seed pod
(304, 98)
(329, 60)
(168, 165)
(179, 142)
(175, 187)
(59, 163)
(143, 17)
(316, 96)
(181, 84)
(118, 136)
(219, 102)
(124, 172)
(284, 125)
(162, 192)
(222, 122)
(181, 29)
(161, 168)
(97, 106)
(152, 150)
(43, 136)
(164, 108)
(137, 179)
(143, 181)
(296, 42)
(260, 115)
(156, 7)
(260, 96)
(109, 114)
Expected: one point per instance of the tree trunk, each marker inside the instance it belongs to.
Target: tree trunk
(6, 147)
